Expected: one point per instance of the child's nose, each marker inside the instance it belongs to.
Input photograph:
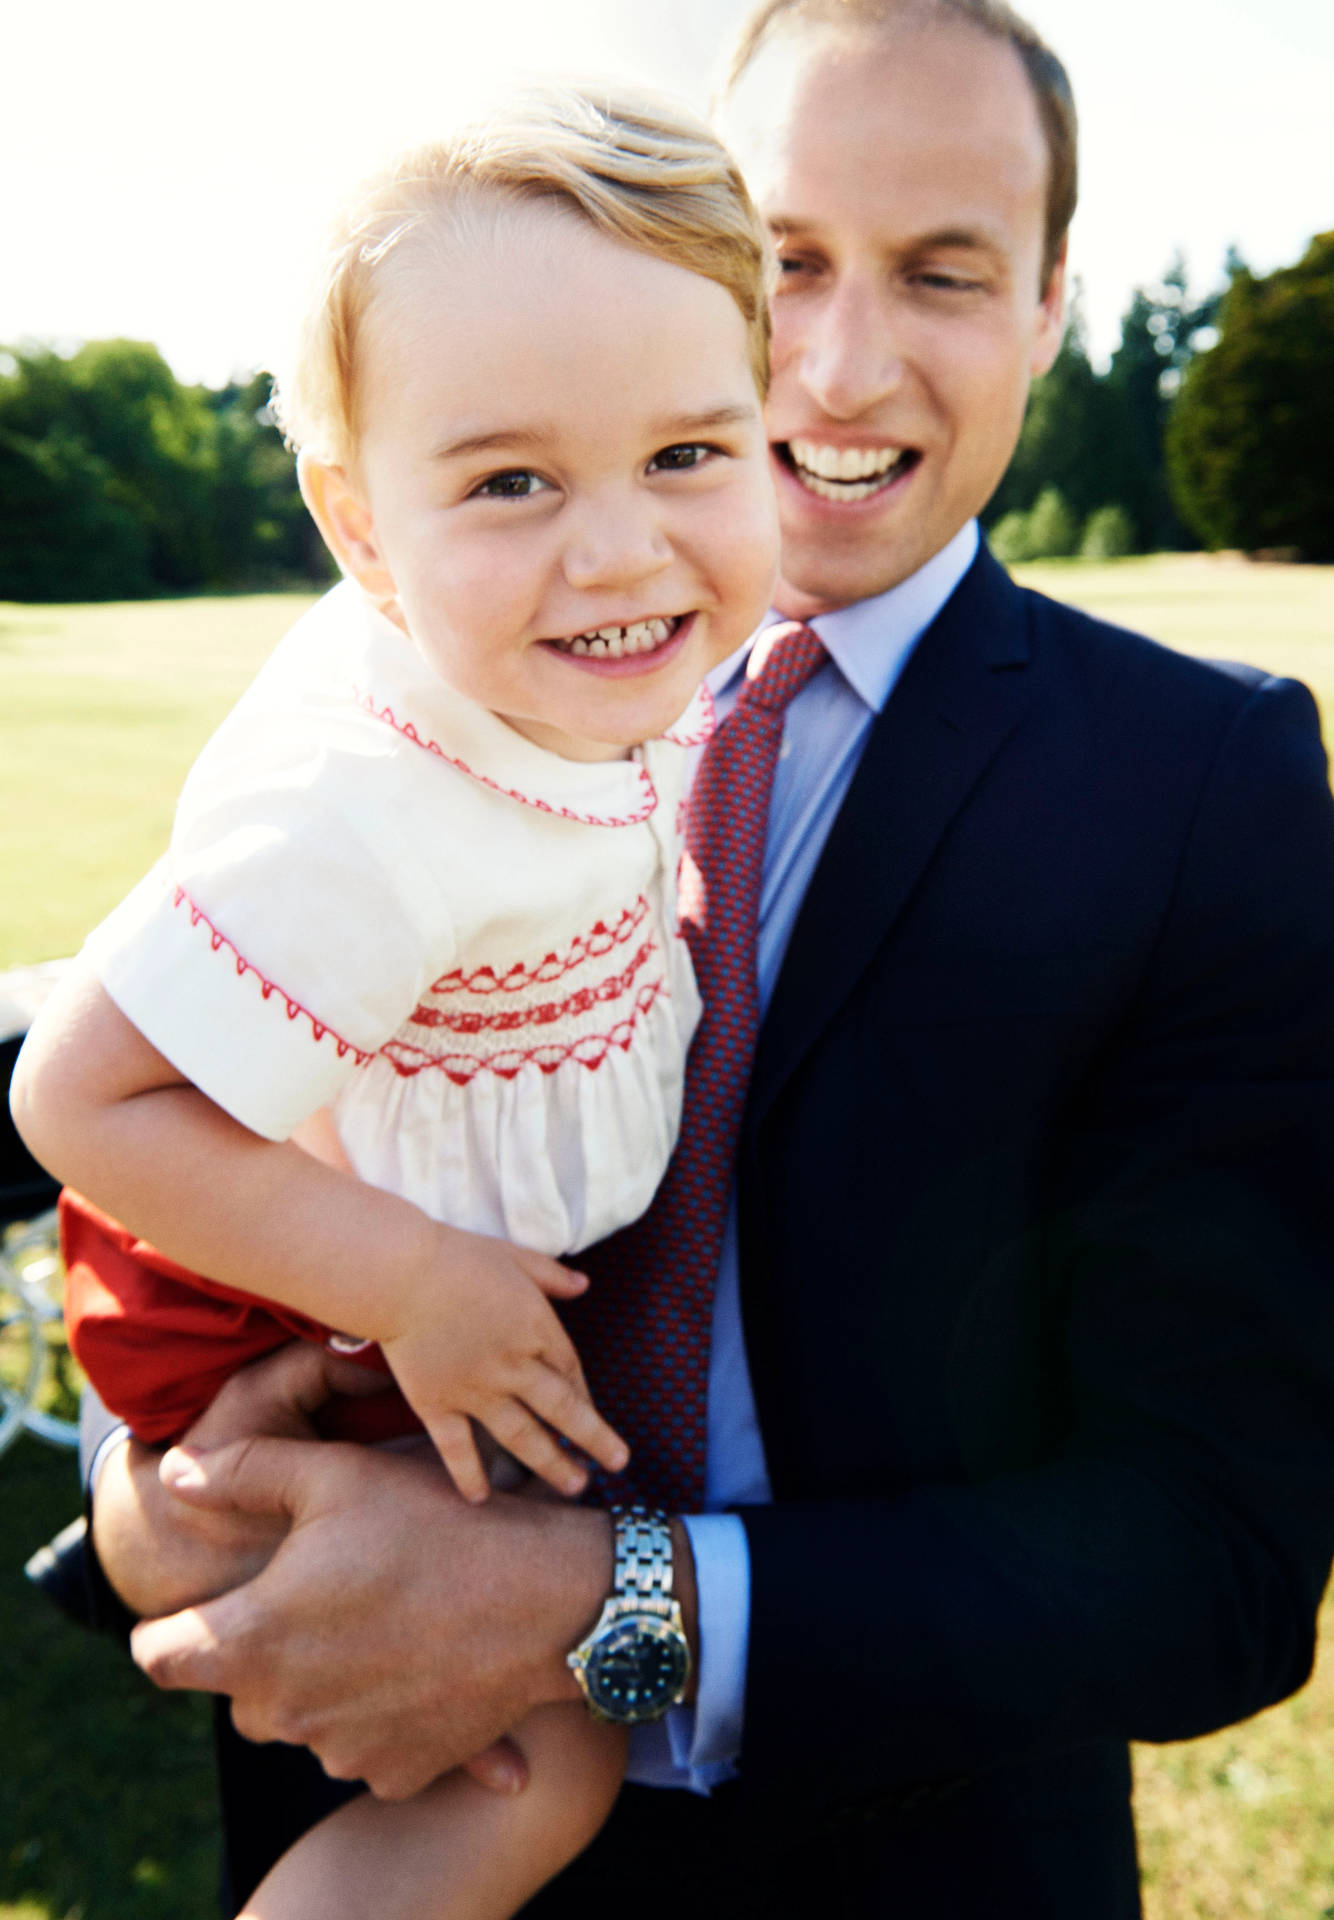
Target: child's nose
(616, 546)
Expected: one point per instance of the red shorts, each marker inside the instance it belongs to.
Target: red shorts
(158, 1341)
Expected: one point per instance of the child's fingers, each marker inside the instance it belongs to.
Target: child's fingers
(529, 1441)
(453, 1440)
(554, 1398)
(556, 1281)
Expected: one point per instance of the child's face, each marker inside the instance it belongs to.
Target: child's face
(559, 434)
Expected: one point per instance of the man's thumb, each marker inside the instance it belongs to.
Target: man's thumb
(259, 1475)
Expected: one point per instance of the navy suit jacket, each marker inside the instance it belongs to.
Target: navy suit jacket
(1037, 1245)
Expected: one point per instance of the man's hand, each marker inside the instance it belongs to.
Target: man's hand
(396, 1630)
(161, 1554)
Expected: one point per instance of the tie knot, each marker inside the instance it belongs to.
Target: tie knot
(782, 660)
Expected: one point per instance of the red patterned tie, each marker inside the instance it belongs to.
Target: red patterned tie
(643, 1328)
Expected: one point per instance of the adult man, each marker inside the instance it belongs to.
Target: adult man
(1032, 1232)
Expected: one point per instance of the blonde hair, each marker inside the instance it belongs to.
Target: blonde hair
(1047, 77)
(635, 167)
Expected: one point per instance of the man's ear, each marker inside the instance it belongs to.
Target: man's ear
(343, 517)
(1051, 318)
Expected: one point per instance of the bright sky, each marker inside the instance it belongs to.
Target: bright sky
(165, 164)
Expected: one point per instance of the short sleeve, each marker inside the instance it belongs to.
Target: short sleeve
(290, 930)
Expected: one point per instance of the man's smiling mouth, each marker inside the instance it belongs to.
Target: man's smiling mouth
(620, 643)
(845, 473)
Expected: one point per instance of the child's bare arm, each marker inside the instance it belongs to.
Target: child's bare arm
(462, 1318)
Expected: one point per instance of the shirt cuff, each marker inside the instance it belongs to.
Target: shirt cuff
(706, 1739)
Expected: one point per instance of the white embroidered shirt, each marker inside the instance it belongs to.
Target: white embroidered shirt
(381, 898)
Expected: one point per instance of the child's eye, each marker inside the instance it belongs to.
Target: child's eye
(681, 459)
(519, 483)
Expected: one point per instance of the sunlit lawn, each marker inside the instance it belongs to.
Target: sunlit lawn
(105, 1807)
(101, 712)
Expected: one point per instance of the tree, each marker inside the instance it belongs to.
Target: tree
(62, 534)
(1109, 534)
(1065, 434)
(1160, 334)
(119, 401)
(117, 481)
(1053, 530)
(1249, 445)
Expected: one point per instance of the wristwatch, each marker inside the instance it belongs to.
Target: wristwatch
(635, 1662)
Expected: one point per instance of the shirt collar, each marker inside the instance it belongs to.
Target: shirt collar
(871, 640)
(395, 685)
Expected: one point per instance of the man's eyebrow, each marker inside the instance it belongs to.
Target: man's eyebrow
(529, 439)
(964, 239)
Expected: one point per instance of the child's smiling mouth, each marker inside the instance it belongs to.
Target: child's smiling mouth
(634, 642)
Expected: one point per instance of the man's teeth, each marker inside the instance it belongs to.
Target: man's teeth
(845, 473)
(615, 643)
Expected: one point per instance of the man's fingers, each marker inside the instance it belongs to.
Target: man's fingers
(500, 1769)
(278, 1394)
(182, 1650)
(260, 1475)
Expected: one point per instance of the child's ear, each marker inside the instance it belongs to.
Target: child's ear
(344, 519)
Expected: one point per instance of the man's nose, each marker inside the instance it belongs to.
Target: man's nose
(852, 357)
(615, 544)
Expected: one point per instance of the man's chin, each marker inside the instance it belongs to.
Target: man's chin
(814, 580)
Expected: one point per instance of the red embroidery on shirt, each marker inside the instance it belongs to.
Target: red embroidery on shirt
(705, 727)
(648, 799)
(509, 1019)
(590, 1050)
(267, 988)
(586, 946)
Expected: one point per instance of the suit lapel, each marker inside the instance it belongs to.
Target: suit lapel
(961, 695)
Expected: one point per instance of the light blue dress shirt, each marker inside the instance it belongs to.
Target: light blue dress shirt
(824, 732)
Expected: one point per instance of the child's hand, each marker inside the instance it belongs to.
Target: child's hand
(477, 1340)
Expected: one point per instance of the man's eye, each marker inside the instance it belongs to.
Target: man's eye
(681, 459)
(947, 283)
(518, 484)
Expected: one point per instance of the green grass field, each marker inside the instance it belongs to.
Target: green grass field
(106, 1808)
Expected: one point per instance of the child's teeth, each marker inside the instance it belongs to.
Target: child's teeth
(615, 643)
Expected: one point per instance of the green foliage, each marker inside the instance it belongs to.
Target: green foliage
(1098, 438)
(117, 482)
(1068, 424)
(1250, 440)
(1109, 534)
(1053, 531)
(1010, 541)
(61, 528)
(1160, 334)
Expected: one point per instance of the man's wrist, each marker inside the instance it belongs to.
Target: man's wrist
(580, 1557)
(686, 1591)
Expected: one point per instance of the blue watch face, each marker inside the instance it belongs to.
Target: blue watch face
(637, 1669)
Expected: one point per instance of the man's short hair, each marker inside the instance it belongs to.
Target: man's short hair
(1047, 77)
(630, 164)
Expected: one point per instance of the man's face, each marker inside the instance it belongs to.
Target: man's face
(903, 175)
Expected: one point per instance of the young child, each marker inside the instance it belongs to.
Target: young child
(418, 914)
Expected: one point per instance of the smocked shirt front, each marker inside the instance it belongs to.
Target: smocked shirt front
(381, 899)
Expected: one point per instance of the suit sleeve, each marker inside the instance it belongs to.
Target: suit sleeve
(1156, 1572)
